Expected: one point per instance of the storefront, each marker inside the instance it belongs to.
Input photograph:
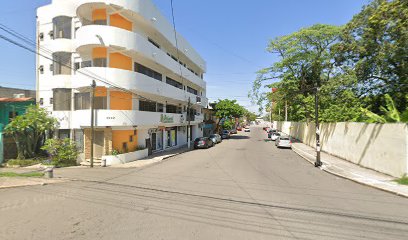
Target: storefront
(156, 138)
(171, 137)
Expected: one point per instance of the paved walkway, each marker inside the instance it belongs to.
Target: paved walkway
(345, 169)
(157, 157)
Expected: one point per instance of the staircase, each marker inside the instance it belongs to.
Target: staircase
(97, 162)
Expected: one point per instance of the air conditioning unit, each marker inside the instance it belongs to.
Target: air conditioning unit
(19, 95)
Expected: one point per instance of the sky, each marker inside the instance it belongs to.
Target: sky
(231, 35)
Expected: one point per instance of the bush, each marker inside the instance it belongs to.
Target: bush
(63, 153)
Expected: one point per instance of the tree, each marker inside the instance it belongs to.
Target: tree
(63, 153)
(374, 44)
(29, 131)
(227, 109)
(305, 63)
(390, 113)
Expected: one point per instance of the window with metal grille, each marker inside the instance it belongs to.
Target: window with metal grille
(148, 72)
(174, 83)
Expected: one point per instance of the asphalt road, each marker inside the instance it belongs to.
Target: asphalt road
(244, 188)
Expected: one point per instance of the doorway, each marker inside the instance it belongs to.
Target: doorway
(99, 144)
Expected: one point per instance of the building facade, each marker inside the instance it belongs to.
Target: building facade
(9, 109)
(144, 76)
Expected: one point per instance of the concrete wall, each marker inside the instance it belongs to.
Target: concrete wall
(382, 147)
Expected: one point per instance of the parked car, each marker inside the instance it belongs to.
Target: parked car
(246, 129)
(225, 134)
(239, 128)
(216, 138)
(233, 131)
(275, 136)
(270, 132)
(203, 142)
(283, 141)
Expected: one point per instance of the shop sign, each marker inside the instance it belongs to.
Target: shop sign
(166, 119)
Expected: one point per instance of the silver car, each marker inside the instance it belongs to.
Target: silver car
(283, 141)
(216, 138)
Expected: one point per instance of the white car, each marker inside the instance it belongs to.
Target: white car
(283, 141)
(275, 136)
(246, 129)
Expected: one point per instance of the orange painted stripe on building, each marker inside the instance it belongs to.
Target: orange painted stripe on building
(123, 136)
(120, 100)
(101, 92)
(116, 20)
(99, 14)
(117, 60)
(99, 52)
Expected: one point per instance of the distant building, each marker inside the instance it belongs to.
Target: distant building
(9, 109)
(6, 92)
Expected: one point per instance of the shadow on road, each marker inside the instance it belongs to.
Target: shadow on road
(238, 137)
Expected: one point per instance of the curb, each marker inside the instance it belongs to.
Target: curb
(297, 151)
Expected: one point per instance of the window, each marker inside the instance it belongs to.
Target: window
(174, 83)
(62, 27)
(153, 42)
(100, 22)
(192, 90)
(99, 62)
(171, 108)
(79, 139)
(62, 63)
(179, 109)
(82, 101)
(85, 64)
(160, 107)
(64, 133)
(130, 138)
(62, 99)
(77, 66)
(12, 115)
(101, 103)
(147, 106)
(148, 72)
(51, 101)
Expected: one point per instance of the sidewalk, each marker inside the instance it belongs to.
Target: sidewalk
(155, 158)
(351, 171)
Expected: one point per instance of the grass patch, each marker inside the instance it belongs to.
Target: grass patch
(13, 174)
(403, 180)
(24, 163)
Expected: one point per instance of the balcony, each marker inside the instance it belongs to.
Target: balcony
(137, 45)
(121, 118)
(136, 82)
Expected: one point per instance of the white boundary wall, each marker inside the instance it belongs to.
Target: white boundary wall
(381, 147)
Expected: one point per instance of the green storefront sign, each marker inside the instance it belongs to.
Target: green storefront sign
(166, 119)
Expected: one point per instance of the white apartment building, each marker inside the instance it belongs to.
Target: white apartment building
(143, 81)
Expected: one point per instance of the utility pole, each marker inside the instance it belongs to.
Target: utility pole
(92, 121)
(188, 125)
(318, 163)
(286, 110)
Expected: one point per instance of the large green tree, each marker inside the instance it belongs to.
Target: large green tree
(306, 63)
(29, 131)
(227, 109)
(375, 44)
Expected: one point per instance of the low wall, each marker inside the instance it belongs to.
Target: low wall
(382, 147)
(125, 158)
